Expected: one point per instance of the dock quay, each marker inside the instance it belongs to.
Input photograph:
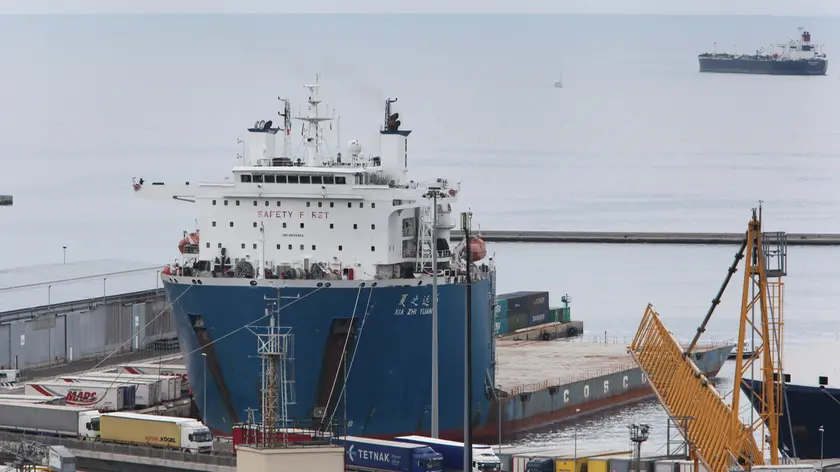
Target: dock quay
(541, 384)
(602, 237)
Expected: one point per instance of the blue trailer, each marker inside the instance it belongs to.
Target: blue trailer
(484, 459)
(367, 455)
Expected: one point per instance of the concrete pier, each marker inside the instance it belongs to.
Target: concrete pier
(600, 237)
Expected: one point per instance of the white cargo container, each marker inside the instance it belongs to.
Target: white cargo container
(89, 395)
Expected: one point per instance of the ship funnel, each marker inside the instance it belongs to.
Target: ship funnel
(806, 37)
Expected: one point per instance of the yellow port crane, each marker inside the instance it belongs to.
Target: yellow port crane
(717, 436)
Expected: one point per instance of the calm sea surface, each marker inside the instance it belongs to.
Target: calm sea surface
(636, 139)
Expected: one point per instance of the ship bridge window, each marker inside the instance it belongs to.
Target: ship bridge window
(340, 180)
(361, 204)
(245, 177)
(349, 204)
(214, 202)
(332, 204)
(278, 246)
(269, 179)
(266, 203)
(316, 179)
(258, 178)
(373, 205)
(225, 202)
(281, 179)
(293, 179)
(237, 203)
(278, 202)
(329, 180)
(214, 224)
(320, 204)
(307, 204)
(255, 203)
(305, 179)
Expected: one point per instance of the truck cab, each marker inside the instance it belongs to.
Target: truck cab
(196, 437)
(485, 460)
(540, 465)
(89, 424)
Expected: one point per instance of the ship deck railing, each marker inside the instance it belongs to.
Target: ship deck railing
(570, 379)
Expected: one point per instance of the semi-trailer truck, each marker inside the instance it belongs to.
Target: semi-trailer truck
(484, 459)
(377, 455)
(169, 432)
(50, 419)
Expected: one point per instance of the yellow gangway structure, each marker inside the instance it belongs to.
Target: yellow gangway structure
(716, 436)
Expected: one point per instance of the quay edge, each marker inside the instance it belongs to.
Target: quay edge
(604, 237)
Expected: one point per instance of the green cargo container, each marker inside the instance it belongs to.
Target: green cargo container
(554, 314)
(517, 321)
(566, 314)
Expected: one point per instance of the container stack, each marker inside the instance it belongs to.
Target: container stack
(520, 310)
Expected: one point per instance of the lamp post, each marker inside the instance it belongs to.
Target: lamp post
(204, 400)
(822, 431)
(577, 410)
(433, 194)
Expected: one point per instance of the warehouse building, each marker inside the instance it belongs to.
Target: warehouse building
(58, 313)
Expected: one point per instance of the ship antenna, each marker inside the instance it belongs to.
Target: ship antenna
(287, 125)
(388, 103)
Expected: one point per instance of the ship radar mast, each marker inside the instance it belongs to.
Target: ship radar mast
(287, 126)
(312, 130)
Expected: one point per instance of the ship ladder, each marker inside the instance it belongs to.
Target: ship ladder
(684, 391)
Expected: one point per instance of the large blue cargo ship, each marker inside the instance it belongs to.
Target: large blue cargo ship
(346, 245)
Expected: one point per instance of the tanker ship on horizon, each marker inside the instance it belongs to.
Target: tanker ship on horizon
(797, 57)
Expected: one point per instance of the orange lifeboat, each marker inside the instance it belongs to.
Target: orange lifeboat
(192, 239)
(478, 249)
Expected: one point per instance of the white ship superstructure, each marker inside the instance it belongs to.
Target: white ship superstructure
(318, 214)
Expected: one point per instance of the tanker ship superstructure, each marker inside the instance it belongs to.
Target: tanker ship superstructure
(343, 245)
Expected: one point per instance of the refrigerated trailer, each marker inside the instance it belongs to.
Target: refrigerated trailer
(170, 384)
(87, 394)
(21, 398)
(179, 370)
(50, 419)
(147, 391)
(162, 431)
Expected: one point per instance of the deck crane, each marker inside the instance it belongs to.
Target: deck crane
(717, 436)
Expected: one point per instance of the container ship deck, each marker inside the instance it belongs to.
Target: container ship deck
(545, 383)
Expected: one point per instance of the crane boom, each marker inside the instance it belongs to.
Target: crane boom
(718, 437)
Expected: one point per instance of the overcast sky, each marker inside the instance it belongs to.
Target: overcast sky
(755, 7)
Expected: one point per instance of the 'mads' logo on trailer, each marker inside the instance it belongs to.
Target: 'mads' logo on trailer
(359, 453)
(82, 398)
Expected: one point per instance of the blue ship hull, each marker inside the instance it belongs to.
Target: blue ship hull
(388, 359)
(806, 410)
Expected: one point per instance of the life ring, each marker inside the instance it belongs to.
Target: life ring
(572, 331)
